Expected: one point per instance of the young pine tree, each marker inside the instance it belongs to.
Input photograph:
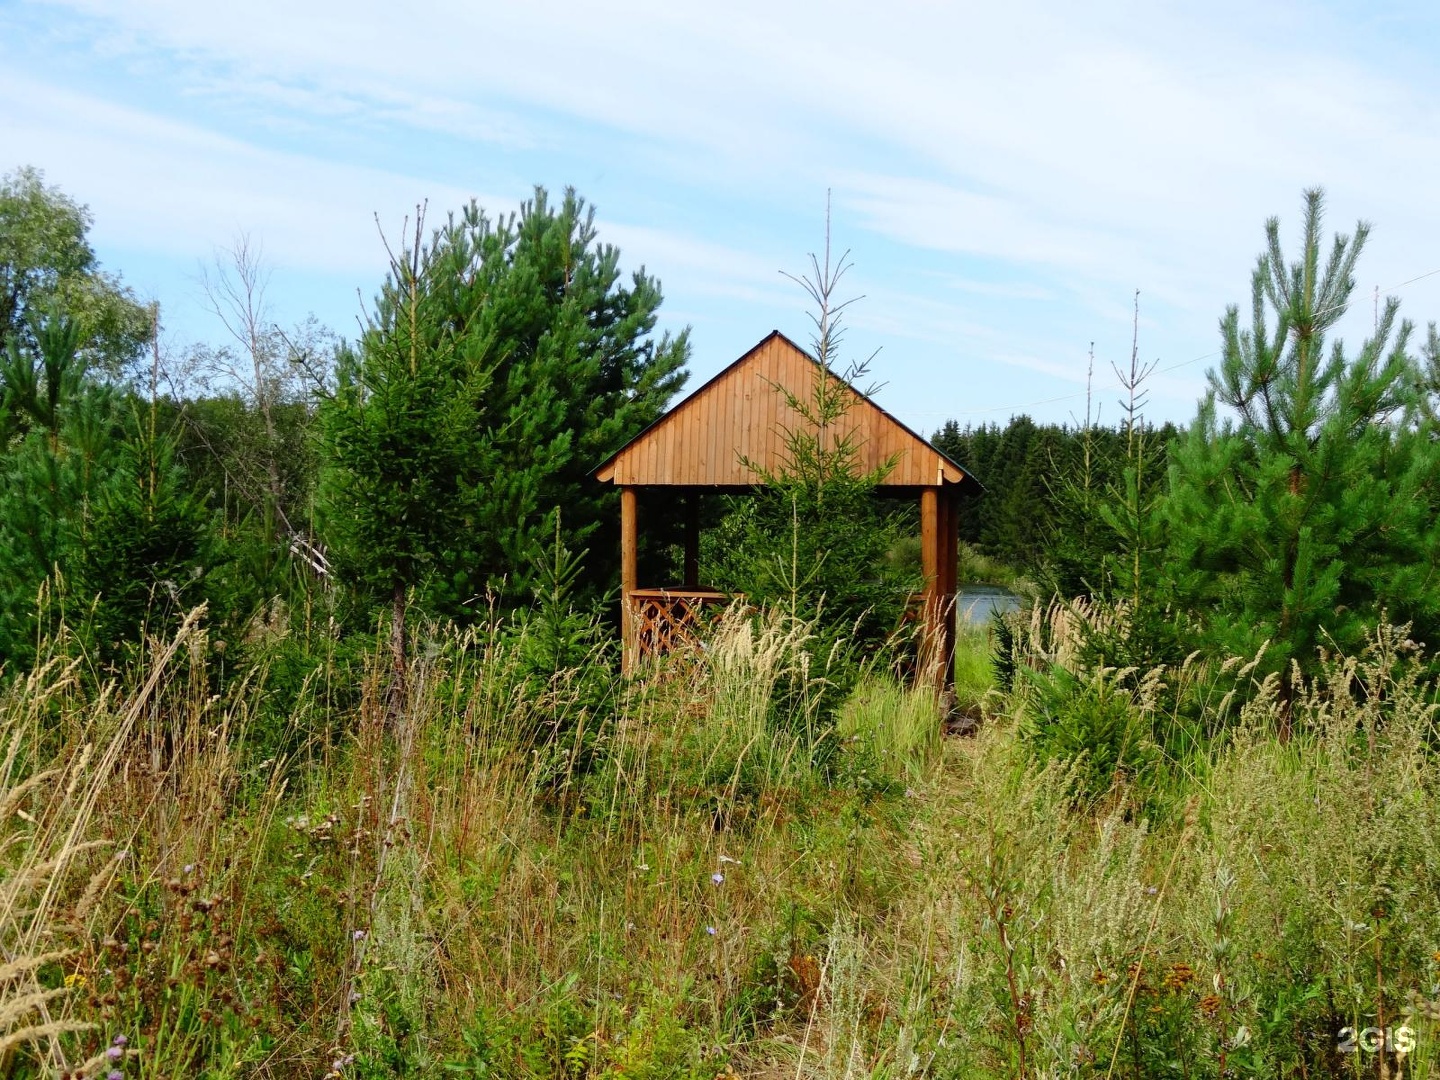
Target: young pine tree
(89, 501)
(403, 466)
(149, 544)
(1307, 514)
(814, 539)
(574, 370)
(504, 359)
(58, 442)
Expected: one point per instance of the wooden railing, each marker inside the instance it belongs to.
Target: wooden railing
(662, 620)
(666, 619)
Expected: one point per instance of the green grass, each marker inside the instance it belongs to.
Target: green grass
(974, 668)
(688, 882)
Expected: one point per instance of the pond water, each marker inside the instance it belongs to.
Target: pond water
(978, 604)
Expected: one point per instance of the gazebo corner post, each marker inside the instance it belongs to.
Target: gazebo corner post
(629, 545)
(938, 551)
(950, 577)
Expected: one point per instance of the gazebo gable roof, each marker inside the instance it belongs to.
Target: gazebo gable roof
(741, 415)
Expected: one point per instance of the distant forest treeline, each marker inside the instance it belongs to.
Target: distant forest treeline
(1031, 473)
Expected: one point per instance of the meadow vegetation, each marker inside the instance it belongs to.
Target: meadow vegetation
(689, 879)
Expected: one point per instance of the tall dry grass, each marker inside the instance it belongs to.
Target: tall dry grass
(693, 874)
(63, 752)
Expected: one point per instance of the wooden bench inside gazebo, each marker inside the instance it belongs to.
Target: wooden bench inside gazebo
(713, 442)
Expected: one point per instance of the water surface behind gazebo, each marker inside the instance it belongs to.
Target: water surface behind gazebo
(976, 605)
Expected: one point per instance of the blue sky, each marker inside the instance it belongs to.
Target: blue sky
(1005, 176)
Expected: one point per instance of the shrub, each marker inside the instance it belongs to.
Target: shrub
(1094, 723)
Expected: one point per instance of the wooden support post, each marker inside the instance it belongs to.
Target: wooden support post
(931, 546)
(692, 539)
(949, 577)
(929, 534)
(629, 534)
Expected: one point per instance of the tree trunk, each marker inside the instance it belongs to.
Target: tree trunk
(396, 696)
(1286, 703)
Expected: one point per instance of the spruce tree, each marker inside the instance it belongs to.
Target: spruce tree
(1305, 514)
(815, 539)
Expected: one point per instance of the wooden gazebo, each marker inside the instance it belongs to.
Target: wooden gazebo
(739, 419)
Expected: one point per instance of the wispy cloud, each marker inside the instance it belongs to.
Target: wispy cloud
(163, 185)
(1007, 290)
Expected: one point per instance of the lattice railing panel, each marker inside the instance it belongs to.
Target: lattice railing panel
(666, 619)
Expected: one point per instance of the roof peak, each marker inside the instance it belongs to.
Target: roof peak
(720, 432)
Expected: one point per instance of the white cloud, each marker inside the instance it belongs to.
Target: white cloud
(1074, 153)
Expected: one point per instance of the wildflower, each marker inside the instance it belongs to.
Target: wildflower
(75, 979)
(359, 935)
(189, 868)
(114, 1074)
(1178, 976)
(114, 1053)
(717, 878)
(119, 1040)
(710, 930)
